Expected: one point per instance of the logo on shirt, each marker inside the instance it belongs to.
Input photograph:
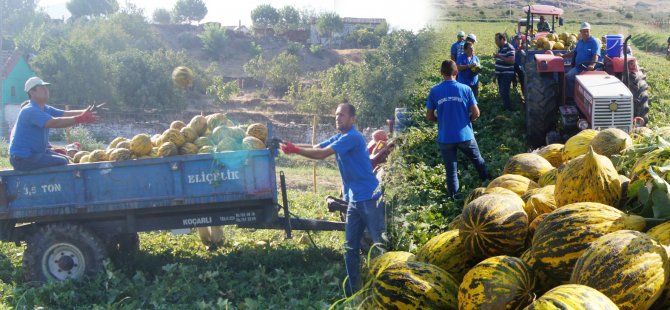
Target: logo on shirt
(453, 98)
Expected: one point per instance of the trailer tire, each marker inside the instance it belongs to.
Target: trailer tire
(63, 251)
(637, 82)
(541, 104)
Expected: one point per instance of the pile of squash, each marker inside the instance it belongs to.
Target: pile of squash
(552, 232)
(553, 41)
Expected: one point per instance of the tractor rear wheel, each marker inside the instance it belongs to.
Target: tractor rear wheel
(637, 83)
(541, 104)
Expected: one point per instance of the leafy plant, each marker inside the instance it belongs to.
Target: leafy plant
(214, 39)
(221, 90)
(84, 137)
(161, 16)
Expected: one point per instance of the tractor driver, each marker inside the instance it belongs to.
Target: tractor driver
(586, 55)
(542, 25)
(29, 142)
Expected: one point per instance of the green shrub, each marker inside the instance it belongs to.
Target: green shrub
(294, 48)
(85, 138)
(189, 40)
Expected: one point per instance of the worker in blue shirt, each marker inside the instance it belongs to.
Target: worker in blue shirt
(454, 107)
(359, 185)
(29, 147)
(457, 48)
(468, 68)
(587, 53)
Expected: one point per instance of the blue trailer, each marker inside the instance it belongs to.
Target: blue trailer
(72, 216)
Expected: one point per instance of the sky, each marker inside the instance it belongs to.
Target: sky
(411, 15)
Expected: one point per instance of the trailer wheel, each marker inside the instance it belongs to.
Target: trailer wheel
(541, 104)
(63, 251)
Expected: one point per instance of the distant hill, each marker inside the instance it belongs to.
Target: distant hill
(574, 9)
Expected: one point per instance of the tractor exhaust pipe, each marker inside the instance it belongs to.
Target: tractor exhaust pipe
(625, 61)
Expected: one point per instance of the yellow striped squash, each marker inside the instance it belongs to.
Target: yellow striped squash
(573, 297)
(567, 232)
(661, 233)
(611, 141)
(414, 285)
(552, 153)
(493, 225)
(578, 144)
(516, 183)
(474, 194)
(499, 282)
(588, 178)
(640, 170)
(627, 266)
(379, 263)
(529, 165)
(548, 178)
(542, 201)
(448, 252)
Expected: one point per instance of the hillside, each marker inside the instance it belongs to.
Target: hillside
(574, 9)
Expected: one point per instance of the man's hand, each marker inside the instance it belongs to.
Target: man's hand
(289, 148)
(86, 117)
(591, 67)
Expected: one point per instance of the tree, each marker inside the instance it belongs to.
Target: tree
(329, 23)
(91, 8)
(17, 14)
(281, 71)
(161, 16)
(189, 11)
(382, 29)
(289, 18)
(264, 16)
(213, 39)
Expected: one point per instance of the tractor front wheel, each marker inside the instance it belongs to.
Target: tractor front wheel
(541, 104)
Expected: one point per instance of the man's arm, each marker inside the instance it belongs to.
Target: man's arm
(430, 115)
(474, 113)
(60, 122)
(316, 153)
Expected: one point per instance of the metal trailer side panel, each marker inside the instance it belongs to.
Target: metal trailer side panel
(138, 184)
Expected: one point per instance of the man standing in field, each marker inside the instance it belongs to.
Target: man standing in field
(457, 48)
(454, 107)
(29, 142)
(359, 185)
(504, 68)
(586, 55)
(468, 69)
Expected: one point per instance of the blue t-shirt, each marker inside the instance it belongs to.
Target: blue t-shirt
(457, 48)
(584, 51)
(358, 180)
(452, 100)
(466, 76)
(29, 136)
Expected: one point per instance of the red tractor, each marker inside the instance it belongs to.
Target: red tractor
(615, 95)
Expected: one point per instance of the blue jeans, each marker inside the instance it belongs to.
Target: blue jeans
(37, 161)
(360, 215)
(471, 150)
(504, 85)
(570, 81)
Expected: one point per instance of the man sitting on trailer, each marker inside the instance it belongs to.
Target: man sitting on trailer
(29, 142)
(359, 184)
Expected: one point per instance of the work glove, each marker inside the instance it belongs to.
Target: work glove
(85, 118)
(289, 148)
